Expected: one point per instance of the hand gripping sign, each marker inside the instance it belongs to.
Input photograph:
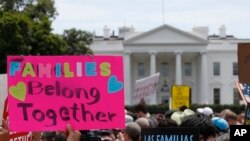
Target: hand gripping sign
(14, 136)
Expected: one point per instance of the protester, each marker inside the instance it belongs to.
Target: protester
(141, 111)
(179, 116)
(204, 123)
(73, 135)
(230, 117)
(206, 111)
(4, 131)
(169, 113)
(222, 127)
(132, 132)
(167, 122)
(128, 119)
(220, 124)
(48, 136)
(107, 135)
(241, 117)
(143, 122)
(182, 108)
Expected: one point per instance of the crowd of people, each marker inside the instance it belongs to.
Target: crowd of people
(212, 126)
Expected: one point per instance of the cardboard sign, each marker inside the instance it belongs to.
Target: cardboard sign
(244, 62)
(244, 91)
(47, 92)
(145, 88)
(180, 96)
(170, 134)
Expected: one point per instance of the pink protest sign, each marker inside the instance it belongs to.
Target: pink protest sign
(47, 92)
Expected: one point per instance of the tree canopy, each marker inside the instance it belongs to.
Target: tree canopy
(25, 29)
(78, 41)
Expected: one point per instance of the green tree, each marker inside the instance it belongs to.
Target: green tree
(25, 29)
(14, 34)
(78, 41)
(42, 8)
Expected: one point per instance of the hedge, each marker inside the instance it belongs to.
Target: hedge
(154, 109)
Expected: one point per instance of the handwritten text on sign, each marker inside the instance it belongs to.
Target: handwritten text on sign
(47, 92)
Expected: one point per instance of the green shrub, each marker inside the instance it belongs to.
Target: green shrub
(154, 109)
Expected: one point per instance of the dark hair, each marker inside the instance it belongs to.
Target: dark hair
(141, 107)
(230, 116)
(183, 107)
(87, 135)
(60, 137)
(169, 113)
(167, 122)
(204, 123)
(50, 135)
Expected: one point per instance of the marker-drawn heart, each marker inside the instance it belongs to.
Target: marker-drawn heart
(18, 91)
(114, 85)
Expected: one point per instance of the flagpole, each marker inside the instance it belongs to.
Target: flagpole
(163, 11)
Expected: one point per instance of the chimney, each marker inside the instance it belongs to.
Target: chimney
(201, 31)
(222, 31)
(123, 31)
(106, 32)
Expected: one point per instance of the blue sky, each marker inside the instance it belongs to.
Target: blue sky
(93, 15)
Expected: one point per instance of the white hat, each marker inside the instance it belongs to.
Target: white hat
(128, 119)
(207, 111)
(180, 116)
(199, 110)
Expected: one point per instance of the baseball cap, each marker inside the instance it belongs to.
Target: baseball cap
(221, 124)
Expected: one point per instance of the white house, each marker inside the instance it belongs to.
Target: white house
(206, 63)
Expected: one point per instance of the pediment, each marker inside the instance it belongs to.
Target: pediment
(165, 34)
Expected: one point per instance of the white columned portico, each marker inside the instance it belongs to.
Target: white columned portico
(127, 66)
(178, 69)
(204, 81)
(153, 71)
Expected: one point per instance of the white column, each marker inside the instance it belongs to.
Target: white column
(127, 70)
(153, 71)
(178, 70)
(152, 62)
(204, 81)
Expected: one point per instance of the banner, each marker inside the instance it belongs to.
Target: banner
(145, 88)
(170, 134)
(47, 92)
(180, 96)
(244, 62)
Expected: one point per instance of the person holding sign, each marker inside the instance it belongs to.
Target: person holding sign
(4, 132)
(73, 135)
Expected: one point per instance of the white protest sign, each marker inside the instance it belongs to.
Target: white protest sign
(145, 89)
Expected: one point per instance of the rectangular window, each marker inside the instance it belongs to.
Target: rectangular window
(188, 69)
(236, 96)
(141, 70)
(216, 67)
(164, 69)
(235, 68)
(216, 95)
